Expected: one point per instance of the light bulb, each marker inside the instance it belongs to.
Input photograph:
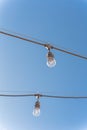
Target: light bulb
(51, 62)
(36, 111)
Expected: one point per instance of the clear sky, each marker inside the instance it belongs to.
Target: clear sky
(23, 65)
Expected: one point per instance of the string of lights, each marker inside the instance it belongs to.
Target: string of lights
(42, 95)
(51, 62)
(36, 110)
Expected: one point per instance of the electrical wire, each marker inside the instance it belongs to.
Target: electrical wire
(65, 97)
(42, 95)
(68, 52)
(16, 95)
(45, 45)
(23, 35)
(22, 38)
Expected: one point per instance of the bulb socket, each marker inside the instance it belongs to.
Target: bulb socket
(50, 55)
(37, 104)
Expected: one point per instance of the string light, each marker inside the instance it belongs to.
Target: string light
(51, 62)
(36, 110)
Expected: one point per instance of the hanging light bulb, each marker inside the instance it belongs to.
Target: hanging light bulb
(51, 62)
(36, 111)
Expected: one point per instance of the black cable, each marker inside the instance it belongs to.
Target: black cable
(68, 52)
(16, 95)
(22, 38)
(41, 95)
(65, 97)
(45, 45)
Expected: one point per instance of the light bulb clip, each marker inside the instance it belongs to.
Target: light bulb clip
(48, 46)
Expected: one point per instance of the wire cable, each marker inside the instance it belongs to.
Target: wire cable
(45, 45)
(65, 97)
(41, 95)
(68, 52)
(22, 38)
(16, 95)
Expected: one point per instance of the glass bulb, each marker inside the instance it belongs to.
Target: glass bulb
(51, 62)
(36, 111)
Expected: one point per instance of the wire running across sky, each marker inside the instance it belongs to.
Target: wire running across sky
(42, 95)
(47, 45)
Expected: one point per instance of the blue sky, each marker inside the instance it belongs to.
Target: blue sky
(23, 65)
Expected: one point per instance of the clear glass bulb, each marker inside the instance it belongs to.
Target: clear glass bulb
(51, 62)
(36, 111)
